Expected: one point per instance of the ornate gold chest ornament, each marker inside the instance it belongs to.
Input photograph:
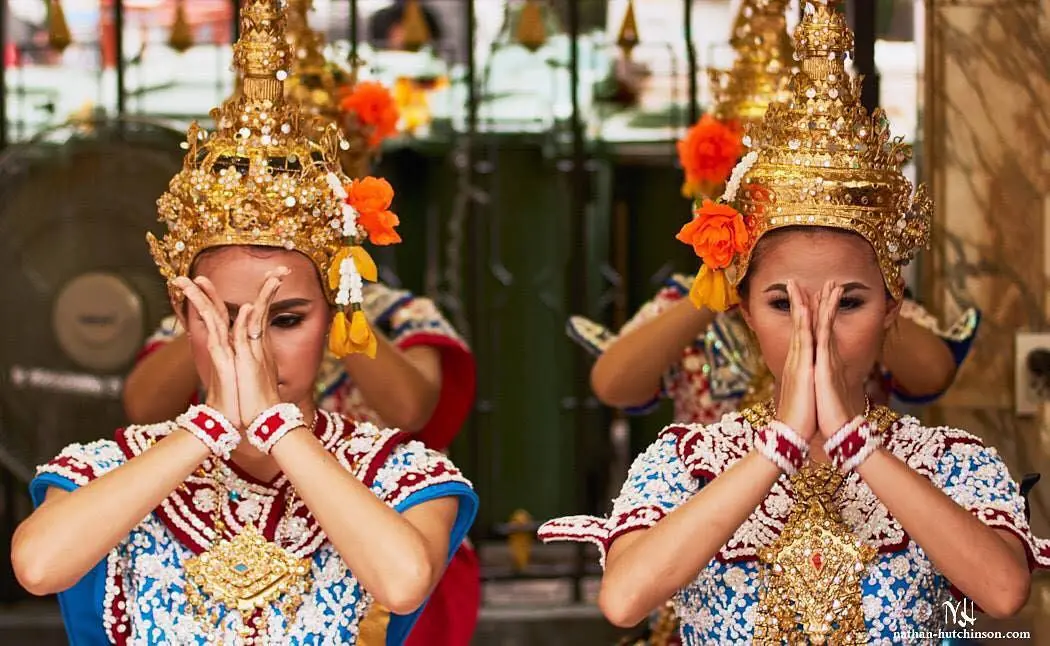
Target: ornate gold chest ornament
(811, 576)
(246, 573)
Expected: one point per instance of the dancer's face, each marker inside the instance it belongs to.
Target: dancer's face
(811, 257)
(296, 324)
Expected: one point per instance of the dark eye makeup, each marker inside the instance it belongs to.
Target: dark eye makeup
(781, 303)
(286, 320)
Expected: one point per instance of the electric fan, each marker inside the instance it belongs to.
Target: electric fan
(80, 292)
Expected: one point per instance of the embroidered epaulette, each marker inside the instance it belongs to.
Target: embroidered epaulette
(393, 464)
(82, 463)
(381, 300)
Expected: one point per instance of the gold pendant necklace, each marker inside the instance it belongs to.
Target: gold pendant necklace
(813, 572)
(246, 573)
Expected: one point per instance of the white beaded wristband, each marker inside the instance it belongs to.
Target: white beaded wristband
(210, 427)
(273, 424)
(782, 446)
(851, 445)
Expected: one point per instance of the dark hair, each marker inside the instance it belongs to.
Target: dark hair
(762, 246)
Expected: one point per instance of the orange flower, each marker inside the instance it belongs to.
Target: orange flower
(708, 153)
(717, 234)
(371, 198)
(375, 109)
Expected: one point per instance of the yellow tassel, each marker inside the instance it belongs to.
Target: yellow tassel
(362, 260)
(181, 38)
(711, 289)
(364, 263)
(353, 336)
(58, 36)
(362, 339)
(531, 33)
(628, 37)
(414, 25)
(339, 336)
(333, 269)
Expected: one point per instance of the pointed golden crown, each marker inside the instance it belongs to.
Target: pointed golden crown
(318, 85)
(820, 160)
(258, 179)
(315, 82)
(763, 65)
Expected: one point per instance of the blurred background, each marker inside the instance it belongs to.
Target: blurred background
(536, 178)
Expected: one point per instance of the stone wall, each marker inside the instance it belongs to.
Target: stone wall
(987, 156)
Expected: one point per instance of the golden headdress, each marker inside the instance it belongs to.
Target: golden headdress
(315, 82)
(763, 64)
(817, 160)
(759, 76)
(366, 111)
(270, 176)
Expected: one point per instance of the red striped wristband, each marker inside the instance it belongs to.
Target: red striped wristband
(852, 444)
(782, 446)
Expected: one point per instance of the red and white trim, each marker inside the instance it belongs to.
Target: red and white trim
(852, 444)
(273, 424)
(210, 427)
(782, 446)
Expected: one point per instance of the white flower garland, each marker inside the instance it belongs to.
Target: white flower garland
(350, 282)
(733, 185)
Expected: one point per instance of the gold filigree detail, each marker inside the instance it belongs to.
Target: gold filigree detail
(318, 85)
(812, 574)
(761, 414)
(763, 65)
(246, 574)
(262, 177)
(823, 161)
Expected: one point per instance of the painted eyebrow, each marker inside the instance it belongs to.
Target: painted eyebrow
(848, 287)
(285, 304)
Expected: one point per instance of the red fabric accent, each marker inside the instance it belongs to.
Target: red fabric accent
(451, 615)
(84, 470)
(380, 457)
(214, 431)
(269, 426)
(458, 384)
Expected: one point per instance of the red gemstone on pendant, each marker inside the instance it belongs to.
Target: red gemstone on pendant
(817, 560)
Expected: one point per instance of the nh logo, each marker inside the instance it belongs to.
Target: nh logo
(961, 612)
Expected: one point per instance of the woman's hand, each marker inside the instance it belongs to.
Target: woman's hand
(797, 406)
(256, 370)
(832, 390)
(222, 382)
